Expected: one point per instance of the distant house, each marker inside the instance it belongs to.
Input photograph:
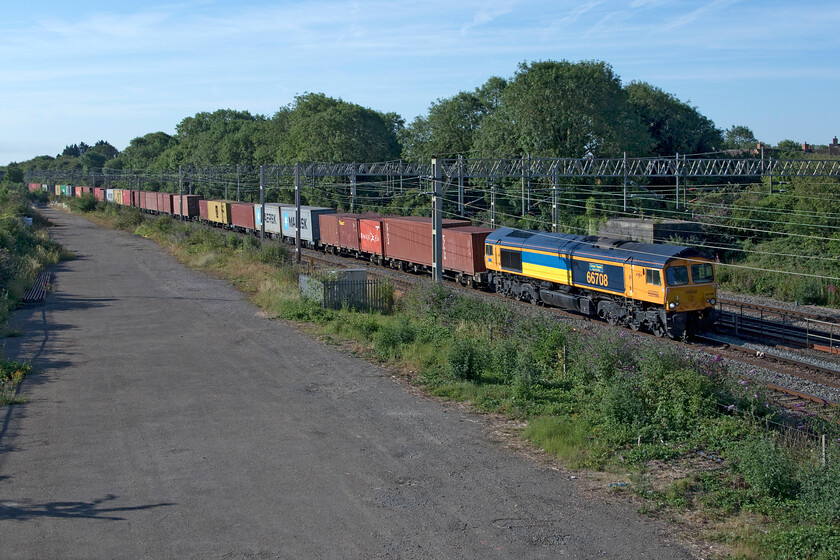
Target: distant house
(832, 149)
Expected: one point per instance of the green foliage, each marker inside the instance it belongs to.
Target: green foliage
(321, 128)
(24, 250)
(814, 542)
(676, 127)
(820, 491)
(795, 238)
(466, 358)
(766, 467)
(563, 109)
(393, 336)
(83, 204)
(739, 137)
(11, 375)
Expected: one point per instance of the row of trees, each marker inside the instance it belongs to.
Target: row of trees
(547, 109)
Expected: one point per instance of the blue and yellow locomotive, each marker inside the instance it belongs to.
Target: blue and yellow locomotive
(666, 289)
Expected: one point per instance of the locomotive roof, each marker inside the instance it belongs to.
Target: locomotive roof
(614, 250)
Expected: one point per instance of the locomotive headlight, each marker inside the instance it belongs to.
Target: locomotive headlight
(711, 301)
(672, 305)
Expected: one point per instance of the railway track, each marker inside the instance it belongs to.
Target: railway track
(779, 326)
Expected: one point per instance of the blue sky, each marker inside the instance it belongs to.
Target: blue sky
(97, 70)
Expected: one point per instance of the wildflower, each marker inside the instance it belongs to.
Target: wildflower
(731, 407)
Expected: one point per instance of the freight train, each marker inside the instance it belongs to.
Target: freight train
(665, 289)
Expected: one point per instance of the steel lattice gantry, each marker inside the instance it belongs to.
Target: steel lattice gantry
(511, 168)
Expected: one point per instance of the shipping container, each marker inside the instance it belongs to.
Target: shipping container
(309, 223)
(343, 231)
(149, 201)
(272, 218)
(242, 216)
(99, 193)
(190, 205)
(202, 210)
(218, 211)
(370, 237)
(164, 202)
(463, 249)
(408, 239)
(118, 196)
(109, 195)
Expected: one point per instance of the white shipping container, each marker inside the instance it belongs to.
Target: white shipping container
(310, 231)
(109, 195)
(272, 217)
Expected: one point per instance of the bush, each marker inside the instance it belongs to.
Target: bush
(466, 359)
(766, 467)
(86, 203)
(819, 495)
(392, 336)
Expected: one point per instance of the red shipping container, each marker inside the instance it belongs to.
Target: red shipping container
(164, 203)
(190, 205)
(463, 249)
(409, 238)
(348, 232)
(370, 236)
(328, 224)
(202, 209)
(152, 201)
(342, 230)
(99, 193)
(242, 215)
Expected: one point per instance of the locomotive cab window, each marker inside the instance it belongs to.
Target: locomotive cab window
(702, 273)
(488, 250)
(653, 277)
(511, 260)
(676, 275)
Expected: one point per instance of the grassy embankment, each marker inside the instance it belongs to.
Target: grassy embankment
(606, 402)
(24, 252)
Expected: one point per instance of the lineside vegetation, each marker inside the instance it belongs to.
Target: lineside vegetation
(25, 250)
(676, 429)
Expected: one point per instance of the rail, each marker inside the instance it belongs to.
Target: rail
(780, 326)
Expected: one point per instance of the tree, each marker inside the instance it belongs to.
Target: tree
(563, 109)
(451, 125)
(739, 138)
(675, 127)
(324, 129)
(143, 152)
(13, 174)
(214, 138)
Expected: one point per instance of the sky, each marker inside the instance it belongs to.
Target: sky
(114, 70)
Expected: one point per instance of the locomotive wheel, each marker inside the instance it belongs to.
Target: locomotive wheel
(658, 329)
(635, 326)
